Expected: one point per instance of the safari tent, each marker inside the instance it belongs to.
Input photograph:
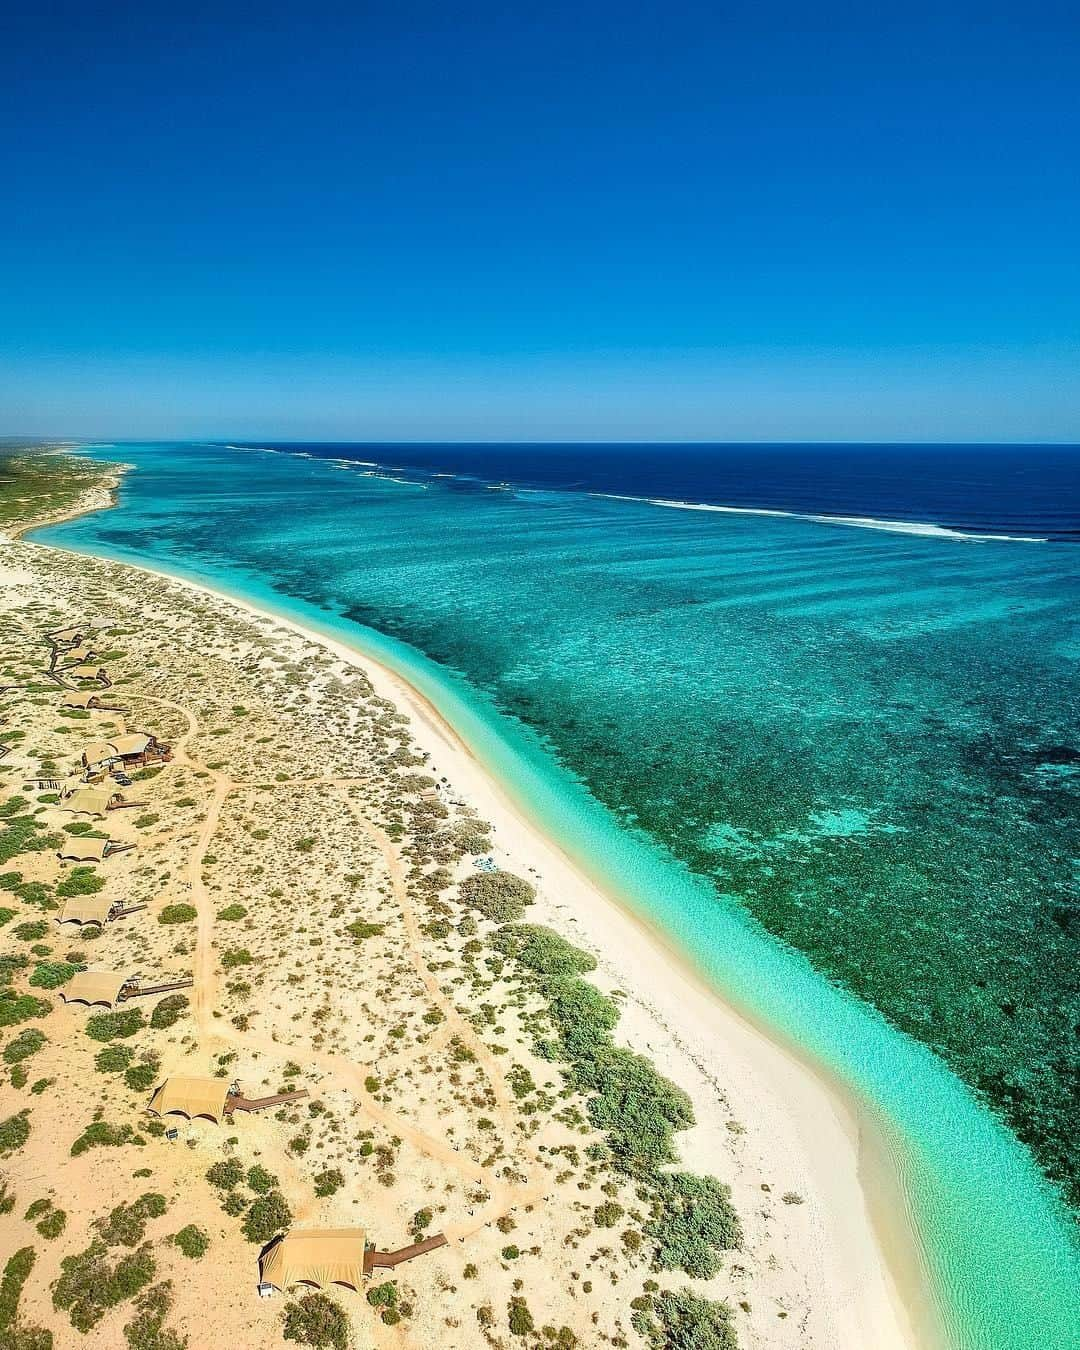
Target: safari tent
(85, 909)
(315, 1256)
(191, 1097)
(91, 801)
(88, 849)
(94, 986)
(80, 698)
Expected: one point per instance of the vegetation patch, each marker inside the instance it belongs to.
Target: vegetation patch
(316, 1320)
(168, 1011)
(112, 1026)
(90, 1283)
(499, 896)
(178, 914)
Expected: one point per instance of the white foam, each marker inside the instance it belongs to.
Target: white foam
(858, 522)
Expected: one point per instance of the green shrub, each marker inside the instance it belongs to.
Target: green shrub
(359, 929)
(53, 1224)
(16, 1273)
(608, 1214)
(125, 1225)
(14, 1132)
(542, 951)
(168, 1011)
(32, 931)
(673, 1320)
(143, 1075)
(226, 1174)
(232, 913)
(268, 1216)
(15, 1008)
(114, 1025)
(89, 1285)
(51, 974)
(25, 1044)
(113, 1059)
(499, 896)
(235, 956)
(318, 1321)
(326, 1183)
(147, 1330)
(692, 1220)
(519, 1318)
(260, 1180)
(178, 914)
(192, 1241)
(80, 881)
(102, 1135)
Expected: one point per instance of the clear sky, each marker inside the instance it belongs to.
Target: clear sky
(526, 221)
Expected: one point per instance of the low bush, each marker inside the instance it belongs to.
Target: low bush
(692, 1220)
(103, 1135)
(51, 974)
(143, 1075)
(125, 1225)
(192, 1241)
(226, 1174)
(25, 1044)
(359, 929)
(16, 1273)
(14, 1132)
(178, 914)
(260, 1180)
(318, 1321)
(326, 1183)
(168, 1011)
(113, 1059)
(16, 1008)
(499, 896)
(114, 1025)
(80, 881)
(235, 956)
(268, 1216)
(89, 1285)
(542, 951)
(232, 913)
(671, 1320)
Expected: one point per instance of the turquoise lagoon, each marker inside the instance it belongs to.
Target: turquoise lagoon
(836, 765)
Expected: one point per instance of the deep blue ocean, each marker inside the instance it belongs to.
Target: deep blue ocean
(813, 710)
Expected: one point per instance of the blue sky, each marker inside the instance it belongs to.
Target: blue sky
(416, 221)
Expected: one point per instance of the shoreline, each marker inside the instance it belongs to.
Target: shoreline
(859, 1264)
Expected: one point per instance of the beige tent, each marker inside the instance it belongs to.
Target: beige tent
(98, 752)
(67, 635)
(83, 850)
(87, 672)
(85, 910)
(134, 743)
(94, 986)
(79, 700)
(80, 654)
(190, 1097)
(317, 1256)
(90, 801)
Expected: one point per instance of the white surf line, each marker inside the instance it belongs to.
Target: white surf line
(859, 522)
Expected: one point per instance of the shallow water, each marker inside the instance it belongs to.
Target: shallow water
(805, 750)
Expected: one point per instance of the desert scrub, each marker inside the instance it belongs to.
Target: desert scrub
(226, 1174)
(25, 1044)
(192, 1241)
(168, 1011)
(679, 1318)
(16, 1273)
(114, 1025)
(14, 1132)
(268, 1216)
(80, 881)
(178, 914)
(542, 951)
(125, 1225)
(51, 974)
(89, 1284)
(103, 1135)
(326, 1183)
(16, 1008)
(235, 956)
(232, 913)
(113, 1059)
(499, 896)
(144, 1074)
(359, 930)
(318, 1321)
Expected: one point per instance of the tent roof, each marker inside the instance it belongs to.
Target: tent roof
(94, 986)
(134, 743)
(191, 1097)
(67, 635)
(96, 751)
(85, 910)
(79, 653)
(75, 699)
(84, 849)
(318, 1256)
(87, 672)
(90, 801)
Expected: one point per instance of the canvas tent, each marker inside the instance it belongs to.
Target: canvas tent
(91, 801)
(77, 655)
(94, 986)
(88, 672)
(85, 909)
(83, 850)
(99, 752)
(75, 699)
(67, 635)
(191, 1097)
(318, 1256)
(134, 743)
